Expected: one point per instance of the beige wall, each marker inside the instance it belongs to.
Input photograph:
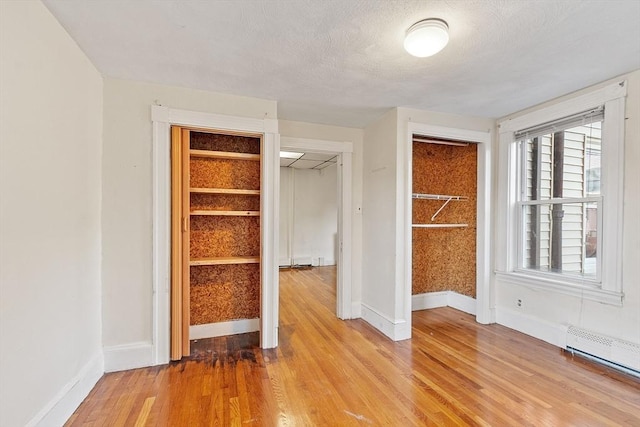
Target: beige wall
(50, 136)
(620, 322)
(127, 195)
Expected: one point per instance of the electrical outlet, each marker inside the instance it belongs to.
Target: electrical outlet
(519, 303)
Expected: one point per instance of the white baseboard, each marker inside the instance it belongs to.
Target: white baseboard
(397, 330)
(128, 356)
(553, 333)
(67, 400)
(221, 329)
(443, 299)
(462, 302)
(302, 260)
(429, 300)
(356, 310)
(284, 262)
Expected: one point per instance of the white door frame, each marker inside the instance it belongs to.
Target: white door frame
(485, 307)
(163, 118)
(344, 169)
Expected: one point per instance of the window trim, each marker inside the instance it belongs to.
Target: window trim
(609, 289)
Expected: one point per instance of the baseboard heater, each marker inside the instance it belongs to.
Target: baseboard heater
(619, 354)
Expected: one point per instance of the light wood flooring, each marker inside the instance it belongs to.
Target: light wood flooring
(328, 372)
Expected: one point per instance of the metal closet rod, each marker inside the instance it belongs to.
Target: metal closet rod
(438, 196)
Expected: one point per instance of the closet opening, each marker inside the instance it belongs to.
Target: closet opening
(444, 212)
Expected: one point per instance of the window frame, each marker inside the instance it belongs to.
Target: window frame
(607, 287)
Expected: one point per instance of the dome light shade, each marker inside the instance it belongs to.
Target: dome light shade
(426, 37)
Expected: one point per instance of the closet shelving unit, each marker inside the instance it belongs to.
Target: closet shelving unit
(447, 199)
(216, 222)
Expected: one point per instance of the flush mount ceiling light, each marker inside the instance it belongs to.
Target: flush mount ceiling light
(426, 37)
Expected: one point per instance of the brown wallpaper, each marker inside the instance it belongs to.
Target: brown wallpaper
(224, 236)
(225, 202)
(221, 173)
(444, 258)
(220, 293)
(221, 142)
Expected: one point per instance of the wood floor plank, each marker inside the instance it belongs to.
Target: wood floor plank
(328, 372)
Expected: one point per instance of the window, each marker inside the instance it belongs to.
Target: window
(561, 196)
(559, 201)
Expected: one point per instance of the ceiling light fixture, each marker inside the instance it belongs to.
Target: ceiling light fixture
(426, 37)
(290, 155)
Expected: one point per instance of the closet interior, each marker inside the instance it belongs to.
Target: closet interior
(216, 207)
(444, 179)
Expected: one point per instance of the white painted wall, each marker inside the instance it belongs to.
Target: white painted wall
(355, 136)
(127, 201)
(50, 173)
(379, 215)
(550, 308)
(386, 287)
(308, 216)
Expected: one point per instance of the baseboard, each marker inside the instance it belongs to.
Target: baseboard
(553, 333)
(356, 310)
(397, 330)
(429, 300)
(284, 262)
(62, 406)
(462, 302)
(221, 329)
(443, 299)
(128, 356)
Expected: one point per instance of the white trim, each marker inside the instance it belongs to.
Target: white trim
(128, 356)
(356, 310)
(221, 329)
(397, 330)
(161, 257)
(316, 145)
(58, 410)
(553, 333)
(443, 299)
(163, 118)
(507, 245)
(483, 306)
(429, 300)
(462, 302)
(566, 108)
(564, 287)
(345, 200)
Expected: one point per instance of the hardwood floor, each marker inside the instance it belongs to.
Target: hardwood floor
(328, 372)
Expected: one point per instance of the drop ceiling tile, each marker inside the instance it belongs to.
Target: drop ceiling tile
(286, 162)
(317, 156)
(306, 164)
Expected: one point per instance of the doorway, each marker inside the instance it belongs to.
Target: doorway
(343, 152)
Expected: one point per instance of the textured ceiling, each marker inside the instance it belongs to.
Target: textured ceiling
(342, 62)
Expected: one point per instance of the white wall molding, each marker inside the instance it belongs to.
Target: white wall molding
(553, 333)
(443, 299)
(128, 356)
(429, 300)
(221, 329)
(397, 329)
(58, 410)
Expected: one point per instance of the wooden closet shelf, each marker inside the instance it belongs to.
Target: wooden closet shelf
(235, 191)
(225, 260)
(224, 155)
(224, 213)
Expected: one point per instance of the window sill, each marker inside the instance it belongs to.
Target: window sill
(562, 286)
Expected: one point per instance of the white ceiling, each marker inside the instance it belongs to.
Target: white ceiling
(342, 62)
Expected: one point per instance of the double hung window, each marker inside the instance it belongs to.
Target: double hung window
(560, 196)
